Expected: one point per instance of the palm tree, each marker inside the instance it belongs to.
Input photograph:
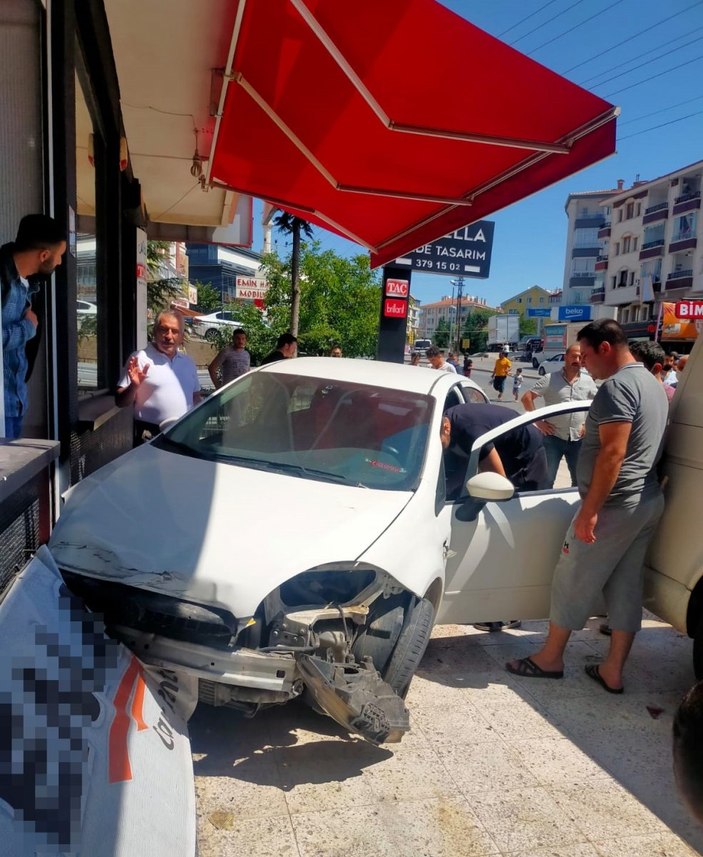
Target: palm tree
(293, 226)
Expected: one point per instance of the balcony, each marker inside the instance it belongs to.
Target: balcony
(687, 202)
(622, 295)
(679, 280)
(579, 252)
(598, 295)
(660, 211)
(604, 231)
(602, 262)
(652, 249)
(683, 241)
(582, 280)
(595, 221)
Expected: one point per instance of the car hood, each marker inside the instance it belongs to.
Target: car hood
(212, 532)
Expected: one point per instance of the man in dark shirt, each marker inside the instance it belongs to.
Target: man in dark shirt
(286, 346)
(518, 454)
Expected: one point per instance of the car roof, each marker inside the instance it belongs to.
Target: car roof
(377, 373)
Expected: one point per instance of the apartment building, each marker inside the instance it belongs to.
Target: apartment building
(445, 309)
(587, 213)
(652, 248)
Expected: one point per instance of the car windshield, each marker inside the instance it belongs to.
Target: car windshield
(311, 428)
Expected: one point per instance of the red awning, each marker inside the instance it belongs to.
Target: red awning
(393, 122)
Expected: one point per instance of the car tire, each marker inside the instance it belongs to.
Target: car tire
(411, 645)
(535, 363)
(541, 371)
(211, 334)
(698, 650)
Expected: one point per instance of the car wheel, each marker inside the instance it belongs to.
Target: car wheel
(411, 645)
(535, 363)
(211, 334)
(541, 371)
(698, 650)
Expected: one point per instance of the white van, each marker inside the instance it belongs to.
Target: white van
(674, 565)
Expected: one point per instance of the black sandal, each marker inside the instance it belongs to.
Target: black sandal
(527, 668)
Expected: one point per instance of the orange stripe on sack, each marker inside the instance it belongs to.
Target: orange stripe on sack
(118, 765)
(138, 702)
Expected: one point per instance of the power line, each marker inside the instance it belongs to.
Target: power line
(661, 110)
(654, 76)
(539, 27)
(575, 27)
(661, 125)
(527, 18)
(634, 36)
(633, 59)
(647, 62)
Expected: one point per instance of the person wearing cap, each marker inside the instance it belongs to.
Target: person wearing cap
(35, 253)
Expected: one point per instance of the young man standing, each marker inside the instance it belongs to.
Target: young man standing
(437, 361)
(621, 503)
(37, 250)
(234, 360)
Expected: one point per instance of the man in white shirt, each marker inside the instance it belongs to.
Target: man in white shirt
(437, 361)
(563, 434)
(159, 382)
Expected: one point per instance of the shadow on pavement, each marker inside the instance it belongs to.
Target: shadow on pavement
(628, 737)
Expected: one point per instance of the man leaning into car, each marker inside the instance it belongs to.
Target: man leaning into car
(159, 382)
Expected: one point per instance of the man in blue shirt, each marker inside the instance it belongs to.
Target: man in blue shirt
(37, 250)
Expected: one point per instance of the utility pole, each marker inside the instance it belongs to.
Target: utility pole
(459, 296)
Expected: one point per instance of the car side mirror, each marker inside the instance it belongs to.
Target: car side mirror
(490, 487)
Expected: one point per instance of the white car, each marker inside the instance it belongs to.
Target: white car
(552, 364)
(84, 311)
(291, 535)
(208, 326)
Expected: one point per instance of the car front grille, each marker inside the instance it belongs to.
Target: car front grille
(154, 613)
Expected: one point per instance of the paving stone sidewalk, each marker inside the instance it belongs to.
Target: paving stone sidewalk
(494, 764)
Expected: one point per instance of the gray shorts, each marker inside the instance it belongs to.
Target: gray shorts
(611, 566)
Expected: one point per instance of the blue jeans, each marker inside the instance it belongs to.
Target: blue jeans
(556, 449)
(13, 427)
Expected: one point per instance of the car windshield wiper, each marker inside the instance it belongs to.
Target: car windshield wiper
(286, 467)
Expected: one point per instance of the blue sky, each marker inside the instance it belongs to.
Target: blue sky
(530, 235)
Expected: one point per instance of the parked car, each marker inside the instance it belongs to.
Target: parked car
(552, 364)
(291, 537)
(208, 326)
(421, 346)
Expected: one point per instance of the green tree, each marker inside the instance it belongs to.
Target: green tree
(209, 299)
(339, 301)
(441, 334)
(476, 329)
(528, 326)
(161, 288)
(293, 226)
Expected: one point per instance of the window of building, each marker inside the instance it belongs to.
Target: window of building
(626, 244)
(529, 300)
(620, 215)
(617, 248)
(685, 227)
(541, 300)
(638, 209)
(613, 282)
(632, 278)
(629, 210)
(90, 296)
(622, 279)
(586, 237)
(635, 242)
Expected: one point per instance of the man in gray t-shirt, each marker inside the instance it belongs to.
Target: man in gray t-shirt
(621, 502)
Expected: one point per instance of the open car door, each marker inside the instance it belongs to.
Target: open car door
(503, 552)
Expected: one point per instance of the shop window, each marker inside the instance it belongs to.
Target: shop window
(89, 305)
